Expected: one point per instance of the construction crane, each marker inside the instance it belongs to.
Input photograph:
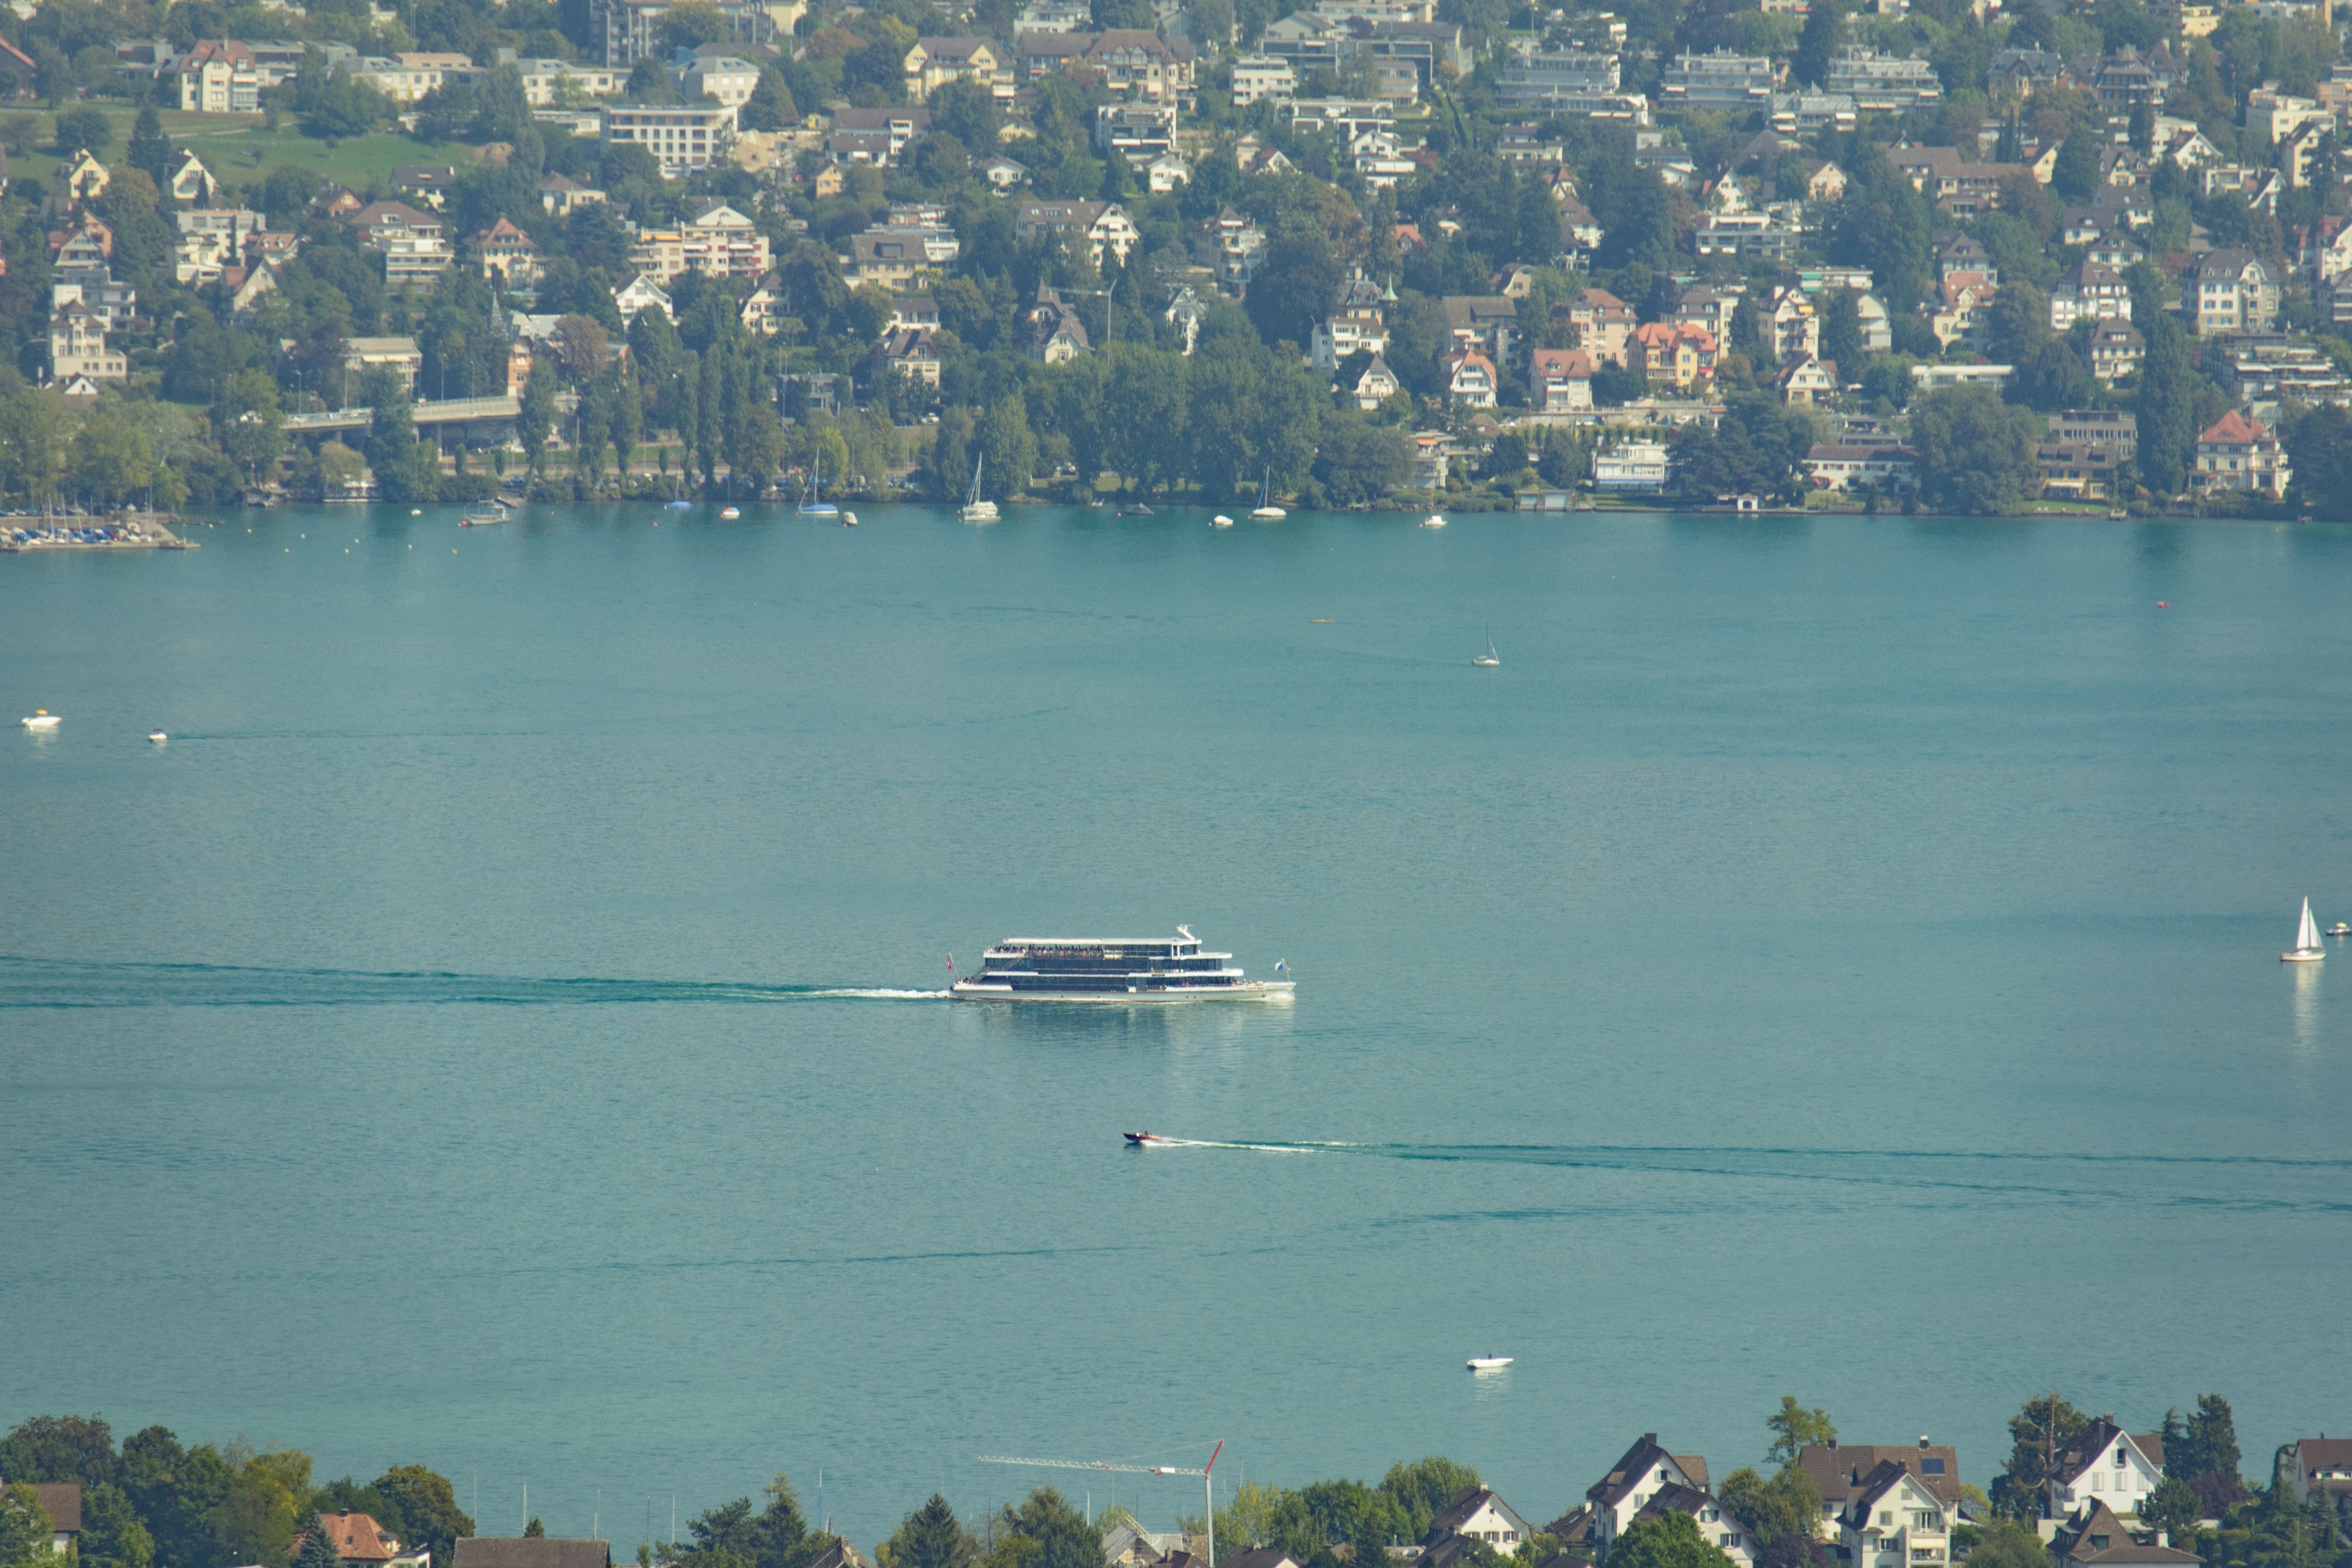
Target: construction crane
(1208, 1493)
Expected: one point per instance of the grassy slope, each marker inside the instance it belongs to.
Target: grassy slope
(240, 152)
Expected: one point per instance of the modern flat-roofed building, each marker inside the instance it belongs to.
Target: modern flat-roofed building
(682, 137)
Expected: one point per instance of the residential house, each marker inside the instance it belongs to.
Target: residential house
(400, 355)
(933, 63)
(2230, 291)
(1470, 377)
(2118, 429)
(1840, 468)
(724, 79)
(2322, 1465)
(410, 242)
(2095, 1538)
(1842, 1473)
(1965, 255)
(2073, 472)
(211, 240)
(896, 127)
(2116, 248)
(1054, 333)
(1167, 171)
(1700, 306)
(1376, 385)
(1100, 225)
(61, 1500)
(1803, 113)
(1676, 354)
(426, 184)
(1604, 325)
(2239, 454)
(682, 138)
(641, 293)
(1935, 376)
(531, 1551)
(2108, 1465)
(2116, 349)
(1127, 60)
(1489, 321)
(545, 81)
(561, 195)
(186, 179)
(1634, 467)
(407, 77)
(1808, 380)
(1717, 82)
(1230, 246)
(1259, 76)
(83, 176)
(1560, 381)
(1893, 1518)
(1716, 1528)
(1795, 319)
(1004, 174)
(359, 1541)
(2093, 292)
(1478, 1514)
(1883, 84)
(1961, 187)
(908, 350)
(1136, 131)
(113, 303)
(633, 30)
(220, 77)
(508, 254)
(1645, 1470)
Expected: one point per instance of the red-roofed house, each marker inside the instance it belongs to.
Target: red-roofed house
(1560, 381)
(2239, 454)
(1469, 377)
(1674, 351)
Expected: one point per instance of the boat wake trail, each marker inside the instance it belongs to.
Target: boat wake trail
(29, 983)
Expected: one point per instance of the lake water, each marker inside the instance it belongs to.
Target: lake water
(1832, 956)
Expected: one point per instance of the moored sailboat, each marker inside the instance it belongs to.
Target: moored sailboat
(1265, 511)
(1488, 660)
(976, 510)
(812, 501)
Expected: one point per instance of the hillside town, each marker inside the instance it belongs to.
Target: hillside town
(2077, 1491)
(1944, 254)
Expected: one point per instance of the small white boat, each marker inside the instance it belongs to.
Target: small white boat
(1488, 1363)
(2306, 949)
(1489, 660)
(2339, 929)
(158, 736)
(974, 510)
(849, 519)
(730, 513)
(1434, 520)
(1221, 521)
(1265, 511)
(481, 519)
(42, 718)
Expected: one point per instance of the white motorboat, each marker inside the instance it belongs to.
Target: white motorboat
(1434, 520)
(976, 510)
(2339, 929)
(158, 736)
(1488, 660)
(42, 718)
(730, 513)
(1265, 511)
(2306, 949)
(1221, 521)
(1488, 1363)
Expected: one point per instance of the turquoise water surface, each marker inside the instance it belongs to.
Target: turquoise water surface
(1833, 956)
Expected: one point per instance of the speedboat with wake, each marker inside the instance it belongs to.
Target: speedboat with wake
(1488, 1363)
(1145, 1140)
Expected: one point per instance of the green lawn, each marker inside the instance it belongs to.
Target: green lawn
(238, 152)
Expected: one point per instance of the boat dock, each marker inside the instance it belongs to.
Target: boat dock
(129, 532)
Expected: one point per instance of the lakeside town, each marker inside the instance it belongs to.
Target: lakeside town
(2091, 258)
(2075, 1491)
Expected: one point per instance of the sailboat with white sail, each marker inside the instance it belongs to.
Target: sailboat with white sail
(1489, 660)
(976, 510)
(2306, 949)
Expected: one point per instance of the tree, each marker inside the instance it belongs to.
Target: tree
(1976, 454)
(1064, 1538)
(2173, 1507)
(2210, 1445)
(78, 128)
(1842, 332)
(150, 149)
(536, 420)
(2006, 1543)
(534, 1530)
(112, 457)
(2166, 419)
(2040, 1434)
(583, 347)
(246, 423)
(112, 1534)
(779, 1535)
(1793, 1428)
(1786, 1506)
(2019, 324)
(1011, 453)
(1823, 34)
(1672, 1541)
(770, 105)
(2075, 175)
(317, 1549)
(428, 1509)
(931, 1538)
(59, 1449)
(1360, 461)
(25, 1533)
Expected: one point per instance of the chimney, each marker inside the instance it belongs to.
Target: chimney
(1833, 1442)
(1651, 1437)
(1923, 1439)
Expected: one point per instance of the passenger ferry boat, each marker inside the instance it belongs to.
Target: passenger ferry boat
(1104, 970)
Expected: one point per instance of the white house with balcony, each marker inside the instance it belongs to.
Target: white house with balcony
(1895, 1521)
(2108, 1465)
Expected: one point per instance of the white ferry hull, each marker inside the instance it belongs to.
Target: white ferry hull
(1247, 991)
